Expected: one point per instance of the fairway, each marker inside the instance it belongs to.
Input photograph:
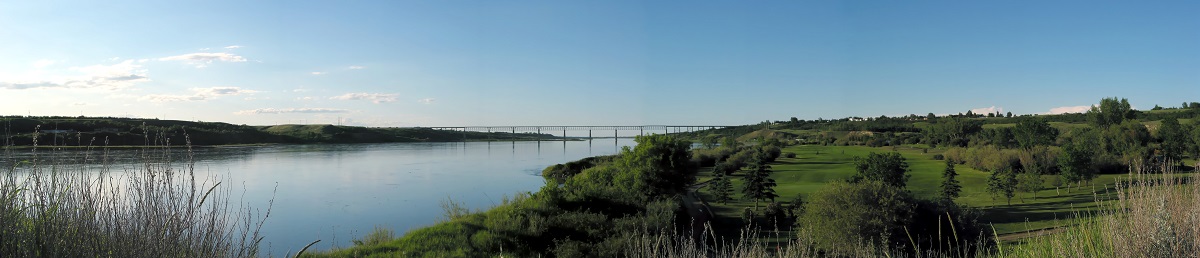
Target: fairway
(815, 166)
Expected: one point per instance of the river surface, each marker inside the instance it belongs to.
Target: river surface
(339, 192)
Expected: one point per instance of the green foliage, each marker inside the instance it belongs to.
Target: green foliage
(952, 132)
(560, 172)
(951, 188)
(758, 184)
(889, 168)
(1110, 112)
(869, 211)
(1174, 140)
(1003, 182)
(721, 188)
(660, 163)
(1075, 162)
(1034, 132)
(1030, 181)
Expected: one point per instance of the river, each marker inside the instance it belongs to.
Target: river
(338, 192)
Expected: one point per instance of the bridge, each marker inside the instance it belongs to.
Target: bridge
(641, 129)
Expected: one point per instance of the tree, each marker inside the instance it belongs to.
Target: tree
(1174, 140)
(1075, 163)
(1009, 114)
(758, 184)
(869, 211)
(1156, 107)
(660, 163)
(1030, 181)
(995, 185)
(729, 142)
(1002, 182)
(1111, 111)
(1008, 183)
(889, 168)
(1034, 132)
(721, 188)
(930, 116)
(950, 185)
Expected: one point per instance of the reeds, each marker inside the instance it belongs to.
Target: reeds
(55, 203)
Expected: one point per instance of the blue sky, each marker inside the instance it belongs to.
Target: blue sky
(448, 63)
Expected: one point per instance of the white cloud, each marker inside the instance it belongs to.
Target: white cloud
(1069, 109)
(427, 100)
(114, 76)
(43, 63)
(356, 67)
(198, 94)
(317, 73)
(987, 110)
(290, 110)
(373, 97)
(202, 59)
(305, 98)
(301, 90)
(234, 47)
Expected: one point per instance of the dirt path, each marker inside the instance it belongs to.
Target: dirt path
(697, 209)
(1031, 233)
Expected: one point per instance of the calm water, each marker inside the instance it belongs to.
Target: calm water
(337, 193)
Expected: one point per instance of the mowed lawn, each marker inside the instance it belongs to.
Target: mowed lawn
(815, 166)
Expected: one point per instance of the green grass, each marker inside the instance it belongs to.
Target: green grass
(810, 172)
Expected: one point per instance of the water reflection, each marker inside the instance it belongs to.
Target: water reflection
(338, 192)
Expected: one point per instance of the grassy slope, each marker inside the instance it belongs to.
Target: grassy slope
(809, 172)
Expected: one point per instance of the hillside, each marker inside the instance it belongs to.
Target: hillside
(80, 131)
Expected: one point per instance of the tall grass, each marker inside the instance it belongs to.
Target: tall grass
(55, 203)
(1155, 215)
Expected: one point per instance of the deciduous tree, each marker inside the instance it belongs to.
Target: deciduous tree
(889, 168)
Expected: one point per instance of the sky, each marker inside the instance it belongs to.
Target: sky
(476, 63)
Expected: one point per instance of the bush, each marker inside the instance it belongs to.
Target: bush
(789, 155)
(939, 157)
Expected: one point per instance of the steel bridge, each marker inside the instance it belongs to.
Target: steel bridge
(641, 129)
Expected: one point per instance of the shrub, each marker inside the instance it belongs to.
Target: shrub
(789, 155)
(939, 157)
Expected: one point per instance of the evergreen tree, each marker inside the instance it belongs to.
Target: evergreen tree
(758, 184)
(721, 188)
(950, 186)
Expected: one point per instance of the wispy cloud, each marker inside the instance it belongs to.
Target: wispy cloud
(427, 100)
(356, 67)
(291, 110)
(1068, 109)
(305, 98)
(113, 76)
(373, 97)
(198, 94)
(317, 73)
(203, 59)
(234, 47)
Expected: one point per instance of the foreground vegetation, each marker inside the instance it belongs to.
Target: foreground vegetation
(56, 205)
